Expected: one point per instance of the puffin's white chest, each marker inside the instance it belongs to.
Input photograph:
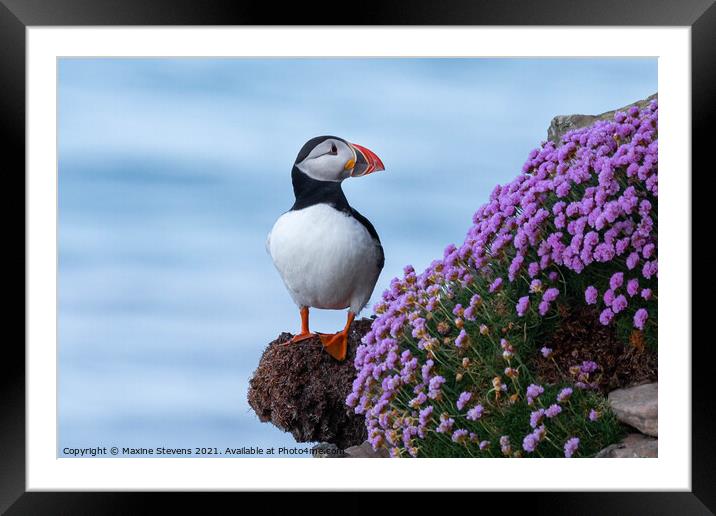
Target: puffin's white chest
(326, 258)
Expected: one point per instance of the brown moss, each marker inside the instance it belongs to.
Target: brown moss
(301, 389)
(579, 336)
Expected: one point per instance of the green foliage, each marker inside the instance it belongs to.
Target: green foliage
(496, 356)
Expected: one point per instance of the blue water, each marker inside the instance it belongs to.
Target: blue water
(172, 172)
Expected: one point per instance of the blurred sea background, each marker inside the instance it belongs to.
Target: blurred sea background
(173, 171)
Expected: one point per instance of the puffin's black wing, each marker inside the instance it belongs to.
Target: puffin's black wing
(373, 233)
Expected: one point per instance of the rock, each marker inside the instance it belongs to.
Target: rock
(301, 389)
(562, 124)
(632, 446)
(361, 451)
(327, 451)
(366, 451)
(637, 407)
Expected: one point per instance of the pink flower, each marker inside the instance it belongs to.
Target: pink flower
(619, 304)
(606, 316)
(590, 295)
(522, 305)
(640, 318)
(616, 280)
(571, 446)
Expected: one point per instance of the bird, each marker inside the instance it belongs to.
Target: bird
(328, 255)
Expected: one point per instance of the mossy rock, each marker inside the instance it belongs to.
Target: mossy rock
(301, 389)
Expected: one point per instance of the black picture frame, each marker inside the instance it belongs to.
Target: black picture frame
(17, 15)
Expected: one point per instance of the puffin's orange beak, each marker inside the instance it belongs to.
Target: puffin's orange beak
(366, 162)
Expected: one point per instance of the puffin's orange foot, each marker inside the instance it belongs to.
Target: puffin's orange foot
(301, 336)
(336, 345)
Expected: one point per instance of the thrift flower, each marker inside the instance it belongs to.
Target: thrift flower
(445, 424)
(536, 417)
(529, 443)
(550, 294)
(588, 366)
(619, 304)
(543, 307)
(522, 305)
(553, 410)
(640, 318)
(435, 385)
(505, 446)
(571, 446)
(564, 394)
(616, 280)
(463, 399)
(425, 415)
(590, 295)
(496, 285)
(460, 436)
(461, 339)
(475, 412)
(533, 391)
(606, 316)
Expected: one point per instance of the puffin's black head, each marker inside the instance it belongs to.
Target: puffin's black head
(329, 158)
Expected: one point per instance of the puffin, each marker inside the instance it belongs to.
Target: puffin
(328, 255)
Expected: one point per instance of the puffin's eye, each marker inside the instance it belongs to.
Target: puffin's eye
(334, 149)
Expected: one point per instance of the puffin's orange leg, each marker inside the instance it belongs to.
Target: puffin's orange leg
(305, 332)
(337, 344)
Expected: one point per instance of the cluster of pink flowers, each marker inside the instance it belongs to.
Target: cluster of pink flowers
(591, 200)
(578, 209)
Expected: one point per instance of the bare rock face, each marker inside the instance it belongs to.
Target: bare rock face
(637, 407)
(327, 451)
(632, 446)
(361, 451)
(562, 124)
(366, 451)
(301, 389)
